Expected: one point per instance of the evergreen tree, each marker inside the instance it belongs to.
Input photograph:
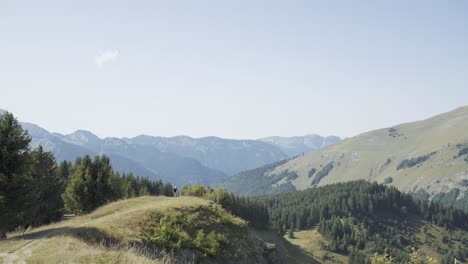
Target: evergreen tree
(291, 232)
(46, 204)
(14, 147)
(64, 171)
(78, 197)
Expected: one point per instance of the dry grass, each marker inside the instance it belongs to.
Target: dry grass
(365, 156)
(309, 241)
(108, 235)
(65, 249)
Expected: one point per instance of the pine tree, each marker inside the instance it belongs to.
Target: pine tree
(14, 147)
(291, 232)
(64, 171)
(46, 204)
(78, 194)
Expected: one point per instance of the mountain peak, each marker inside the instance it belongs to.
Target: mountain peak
(83, 138)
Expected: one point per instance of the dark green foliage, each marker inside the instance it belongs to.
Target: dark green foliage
(94, 183)
(64, 170)
(408, 163)
(447, 199)
(362, 215)
(291, 175)
(189, 228)
(14, 179)
(452, 198)
(463, 150)
(312, 172)
(46, 204)
(358, 257)
(132, 186)
(322, 173)
(291, 232)
(420, 195)
(32, 186)
(90, 185)
(246, 208)
(464, 183)
(388, 180)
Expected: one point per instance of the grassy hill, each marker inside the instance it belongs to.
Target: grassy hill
(431, 154)
(135, 231)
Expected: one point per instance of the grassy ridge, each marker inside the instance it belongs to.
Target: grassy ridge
(146, 230)
(426, 154)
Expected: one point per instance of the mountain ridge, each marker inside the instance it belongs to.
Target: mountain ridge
(179, 159)
(417, 155)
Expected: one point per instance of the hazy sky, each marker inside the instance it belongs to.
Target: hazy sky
(234, 69)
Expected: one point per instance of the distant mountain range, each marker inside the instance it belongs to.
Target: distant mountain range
(429, 155)
(295, 146)
(181, 159)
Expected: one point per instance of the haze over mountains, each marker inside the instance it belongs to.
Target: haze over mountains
(181, 159)
(429, 155)
(294, 146)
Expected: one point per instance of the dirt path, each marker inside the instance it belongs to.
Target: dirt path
(19, 255)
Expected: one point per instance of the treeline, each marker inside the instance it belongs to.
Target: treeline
(92, 183)
(246, 208)
(408, 163)
(35, 190)
(359, 215)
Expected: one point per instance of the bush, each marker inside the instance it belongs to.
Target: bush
(209, 244)
(197, 190)
(221, 197)
(185, 229)
(408, 163)
(312, 172)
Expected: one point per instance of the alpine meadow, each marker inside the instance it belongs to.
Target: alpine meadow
(233, 132)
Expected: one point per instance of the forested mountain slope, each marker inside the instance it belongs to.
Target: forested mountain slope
(431, 154)
(358, 219)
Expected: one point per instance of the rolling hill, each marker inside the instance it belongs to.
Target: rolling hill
(127, 232)
(429, 155)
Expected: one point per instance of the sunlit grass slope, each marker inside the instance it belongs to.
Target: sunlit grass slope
(123, 232)
(376, 155)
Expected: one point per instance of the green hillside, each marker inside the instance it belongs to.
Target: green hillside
(429, 155)
(358, 219)
(136, 230)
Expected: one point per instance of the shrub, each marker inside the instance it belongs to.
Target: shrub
(408, 163)
(312, 172)
(197, 190)
(221, 197)
(185, 228)
(322, 173)
(209, 244)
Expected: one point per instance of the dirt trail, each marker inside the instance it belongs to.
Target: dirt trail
(19, 255)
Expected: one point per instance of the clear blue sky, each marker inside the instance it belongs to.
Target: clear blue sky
(233, 69)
